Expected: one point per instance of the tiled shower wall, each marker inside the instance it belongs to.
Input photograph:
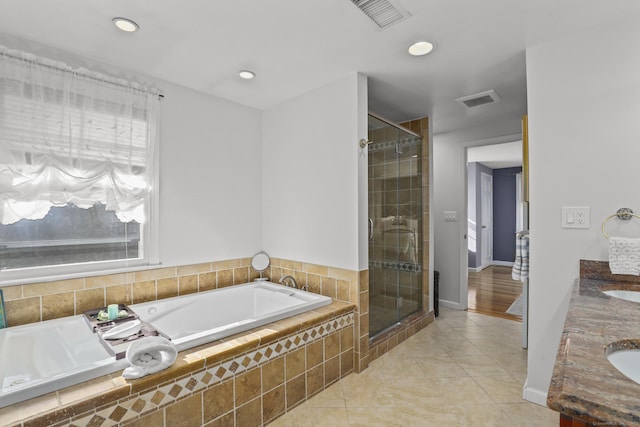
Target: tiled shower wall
(417, 321)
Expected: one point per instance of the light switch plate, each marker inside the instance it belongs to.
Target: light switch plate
(450, 216)
(576, 217)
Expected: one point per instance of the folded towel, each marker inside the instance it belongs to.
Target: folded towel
(520, 269)
(148, 356)
(624, 255)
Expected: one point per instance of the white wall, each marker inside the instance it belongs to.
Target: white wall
(583, 106)
(311, 175)
(210, 168)
(210, 178)
(449, 194)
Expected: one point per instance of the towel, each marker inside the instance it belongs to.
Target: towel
(521, 265)
(149, 355)
(624, 255)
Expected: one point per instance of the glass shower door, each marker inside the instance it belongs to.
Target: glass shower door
(395, 224)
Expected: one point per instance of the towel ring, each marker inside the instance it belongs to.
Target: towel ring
(623, 213)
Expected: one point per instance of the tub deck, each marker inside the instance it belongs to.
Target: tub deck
(119, 401)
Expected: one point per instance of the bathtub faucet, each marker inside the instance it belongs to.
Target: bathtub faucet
(289, 281)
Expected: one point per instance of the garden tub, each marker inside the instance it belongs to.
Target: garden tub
(42, 357)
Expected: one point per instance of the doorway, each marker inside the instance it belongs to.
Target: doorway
(493, 176)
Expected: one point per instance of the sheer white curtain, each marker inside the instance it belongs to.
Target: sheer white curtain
(72, 136)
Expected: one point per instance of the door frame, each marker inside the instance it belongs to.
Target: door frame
(463, 247)
(486, 258)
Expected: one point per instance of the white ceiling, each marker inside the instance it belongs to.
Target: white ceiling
(298, 45)
(497, 156)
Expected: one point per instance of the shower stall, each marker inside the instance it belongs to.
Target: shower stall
(395, 224)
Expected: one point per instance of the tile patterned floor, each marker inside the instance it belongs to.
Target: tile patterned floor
(466, 369)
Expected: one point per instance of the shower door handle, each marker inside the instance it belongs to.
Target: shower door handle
(370, 228)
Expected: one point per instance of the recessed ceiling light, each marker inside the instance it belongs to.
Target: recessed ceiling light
(420, 48)
(246, 74)
(126, 25)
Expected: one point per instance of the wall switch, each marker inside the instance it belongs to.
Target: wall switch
(576, 217)
(450, 216)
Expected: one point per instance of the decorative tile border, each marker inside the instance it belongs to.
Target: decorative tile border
(402, 142)
(396, 265)
(132, 407)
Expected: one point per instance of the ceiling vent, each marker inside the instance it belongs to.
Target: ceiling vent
(382, 12)
(482, 98)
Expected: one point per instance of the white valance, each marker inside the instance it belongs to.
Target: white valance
(72, 136)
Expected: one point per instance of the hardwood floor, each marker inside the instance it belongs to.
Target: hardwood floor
(492, 291)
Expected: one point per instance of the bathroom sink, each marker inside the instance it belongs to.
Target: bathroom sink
(624, 294)
(627, 362)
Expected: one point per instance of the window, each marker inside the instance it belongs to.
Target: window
(77, 168)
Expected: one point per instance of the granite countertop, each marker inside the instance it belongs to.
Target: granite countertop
(584, 384)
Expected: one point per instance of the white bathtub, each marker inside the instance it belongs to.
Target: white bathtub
(199, 318)
(39, 358)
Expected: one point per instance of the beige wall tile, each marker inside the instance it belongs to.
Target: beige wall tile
(188, 284)
(314, 354)
(320, 270)
(344, 290)
(250, 414)
(226, 265)
(329, 287)
(207, 281)
(341, 273)
(118, 294)
(47, 288)
(332, 370)
(273, 374)
(225, 278)
(276, 274)
(187, 270)
(227, 420)
(315, 380)
(12, 292)
(291, 265)
(313, 281)
(248, 386)
(167, 288)
(296, 390)
(364, 302)
(155, 274)
(240, 275)
(185, 413)
(109, 280)
(58, 305)
(89, 299)
(144, 291)
(218, 400)
(22, 311)
(347, 359)
(295, 363)
(331, 345)
(273, 403)
(153, 419)
(346, 338)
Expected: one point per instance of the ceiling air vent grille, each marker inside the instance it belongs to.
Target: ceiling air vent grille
(382, 12)
(477, 99)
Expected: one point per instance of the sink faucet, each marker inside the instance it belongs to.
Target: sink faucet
(289, 281)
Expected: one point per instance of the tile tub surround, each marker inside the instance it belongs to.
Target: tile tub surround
(246, 379)
(584, 384)
(35, 302)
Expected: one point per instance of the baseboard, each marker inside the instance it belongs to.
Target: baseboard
(502, 263)
(450, 304)
(475, 269)
(533, 395)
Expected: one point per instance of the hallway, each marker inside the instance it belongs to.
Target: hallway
(466, 369)
(492, 291)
